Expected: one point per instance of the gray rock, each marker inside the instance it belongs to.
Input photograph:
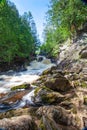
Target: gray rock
(24, 122)
(83, 54)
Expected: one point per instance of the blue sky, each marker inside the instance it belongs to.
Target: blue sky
(38, 9)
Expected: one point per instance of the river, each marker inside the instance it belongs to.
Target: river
(11, 78)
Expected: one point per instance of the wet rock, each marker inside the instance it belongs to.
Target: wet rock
(40, 58)
(24, 122)
(23, 86)
(52, 70)
(14, 96)
(2, 95)
(45, 95)
(12, 100)
(49, 71)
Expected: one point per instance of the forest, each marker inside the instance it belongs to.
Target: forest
(18, 34)
(65, 19)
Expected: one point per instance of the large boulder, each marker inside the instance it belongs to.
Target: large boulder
(18, 112)
(24, 122)
(45, 96)
(58, 83)
(55, 80)
(59, 118)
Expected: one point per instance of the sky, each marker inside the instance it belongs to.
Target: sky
(38, 9)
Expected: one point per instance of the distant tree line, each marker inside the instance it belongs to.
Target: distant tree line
(64, 19)
(18, 34)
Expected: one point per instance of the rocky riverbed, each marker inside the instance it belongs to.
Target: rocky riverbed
(59, 99)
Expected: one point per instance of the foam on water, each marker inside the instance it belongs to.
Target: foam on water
(10, 79)
(17, 78)
(28, 98)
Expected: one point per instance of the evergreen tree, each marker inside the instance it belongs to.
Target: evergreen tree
(18, 39)
(65, 19)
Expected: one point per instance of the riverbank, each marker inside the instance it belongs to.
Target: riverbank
(19, 64)
(59, 97)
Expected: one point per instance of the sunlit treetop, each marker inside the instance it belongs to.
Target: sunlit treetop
(2, 2)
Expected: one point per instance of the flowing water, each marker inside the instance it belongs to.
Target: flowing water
(10, 79)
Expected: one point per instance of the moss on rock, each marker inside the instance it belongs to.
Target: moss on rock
(48, 71)
(24, 86)
(83, 84)
(42, 126)
(50, 98)
(59, 84)
(40, 89)
(85, 100)
(45, 95)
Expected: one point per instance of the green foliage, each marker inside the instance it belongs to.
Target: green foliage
(17, 37)
(83, 84)
(65, 18)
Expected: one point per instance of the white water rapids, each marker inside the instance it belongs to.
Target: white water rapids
(31, 74)
(10, 79)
